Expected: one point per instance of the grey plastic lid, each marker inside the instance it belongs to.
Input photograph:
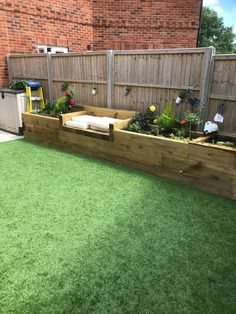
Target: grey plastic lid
(11, 91)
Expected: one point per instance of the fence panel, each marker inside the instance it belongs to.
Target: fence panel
(154, 77)
(84, 72)
(29, 67)
(223, 89)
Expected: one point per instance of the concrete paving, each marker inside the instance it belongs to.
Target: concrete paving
(6, 136)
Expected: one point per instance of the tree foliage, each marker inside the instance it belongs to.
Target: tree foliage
(214, 33)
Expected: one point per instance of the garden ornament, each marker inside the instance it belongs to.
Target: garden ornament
(210, 127)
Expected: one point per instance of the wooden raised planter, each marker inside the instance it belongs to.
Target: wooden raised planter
(207, 167)
(41, 128)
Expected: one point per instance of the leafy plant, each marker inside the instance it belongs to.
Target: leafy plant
(192, 117)
(69, 97)
(179, 138)
(153, 131)
(137, 124)
(65, 86)
(141, 122)
(48, 107)
(166, 120)
(182, 132)
(60, 105)
(183, 94)
(17, 85)
(227, 143)
(64, 103)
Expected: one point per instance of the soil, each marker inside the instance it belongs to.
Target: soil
(222, 140)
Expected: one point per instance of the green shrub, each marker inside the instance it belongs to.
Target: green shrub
(60, 105)
(166, 120)
(192, 117)
(18, 85)
(227, 143)
(141, 122)
(65, 103)
(48, 107)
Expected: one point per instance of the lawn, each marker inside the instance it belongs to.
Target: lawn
(85, 236)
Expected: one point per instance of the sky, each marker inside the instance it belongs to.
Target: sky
(225, 9)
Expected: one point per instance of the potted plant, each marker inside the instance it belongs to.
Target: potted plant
(182, 95)
(18, 85)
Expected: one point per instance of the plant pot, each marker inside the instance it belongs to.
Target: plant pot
(178, 100)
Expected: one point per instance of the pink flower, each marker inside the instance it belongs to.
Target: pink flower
(72, 102)
(67, 94)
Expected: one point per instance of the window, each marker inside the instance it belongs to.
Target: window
(51, 49)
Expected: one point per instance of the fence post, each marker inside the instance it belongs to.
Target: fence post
(206, 76)
(110, 60)
(49, 77)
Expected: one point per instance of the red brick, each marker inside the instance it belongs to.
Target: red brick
(96, 24)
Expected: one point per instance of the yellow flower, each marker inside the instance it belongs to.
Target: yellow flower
(152, 108)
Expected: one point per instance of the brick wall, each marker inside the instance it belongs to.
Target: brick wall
(145, 24)
(25, 24)
(99, 24)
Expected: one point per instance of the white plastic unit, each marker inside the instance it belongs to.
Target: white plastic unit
(12, 104)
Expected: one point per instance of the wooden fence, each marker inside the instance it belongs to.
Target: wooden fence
(151, 76)
(223, 89)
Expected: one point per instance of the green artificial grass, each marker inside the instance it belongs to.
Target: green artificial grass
(84, 236)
